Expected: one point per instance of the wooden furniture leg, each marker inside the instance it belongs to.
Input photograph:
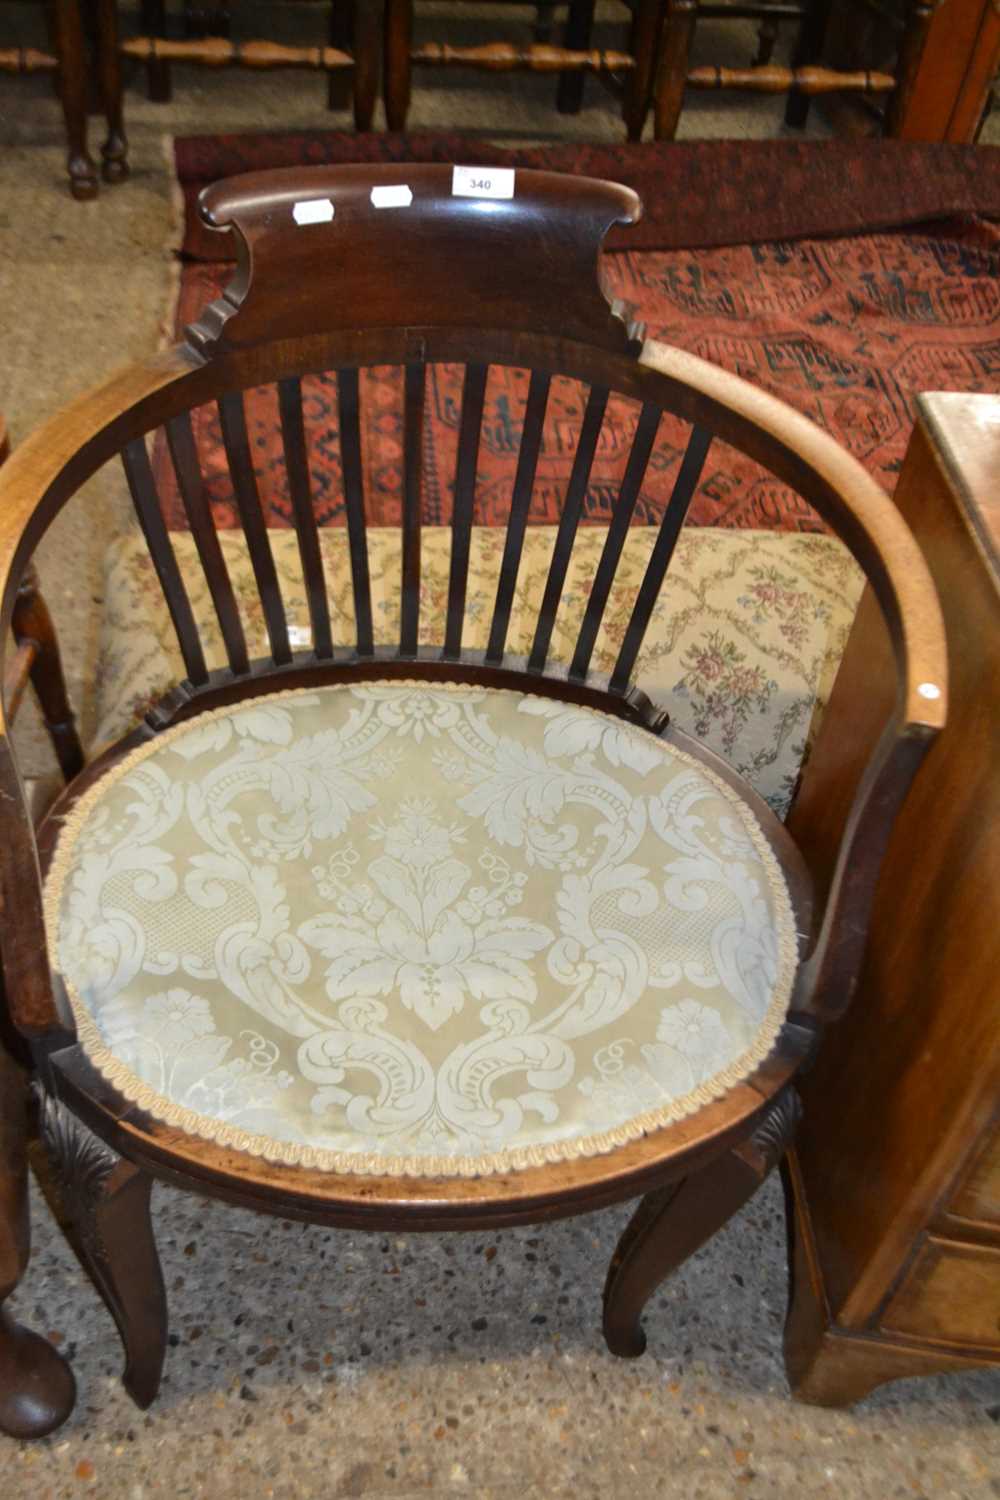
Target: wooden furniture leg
(73, 96)
(364, 43)
(673, 1222)
(37, 1389)
(808, 51)
(398, 45)
(340, 93)
(31, 621)
(675, 49)
(579, 25)
(639, 83)
(106, 1202)
(115, 149)
(153, 22)
(825, 1365)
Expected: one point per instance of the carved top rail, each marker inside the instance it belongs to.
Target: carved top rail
(316, 246)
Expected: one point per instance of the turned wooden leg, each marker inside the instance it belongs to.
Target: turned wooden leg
(115, 148)
(808, 51)
(364, 43)
(31, 621)
(68, 29)
(576, 36)
(646, 27)
(678, 32)
(106, 1201)
(398, 43)
(673, 1222)
(37, 1389)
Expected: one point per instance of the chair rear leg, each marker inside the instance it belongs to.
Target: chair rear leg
(808, 50)
(115, 149)
(70, 48)
(37, 1389)
(106, 1202)
(675, 1221)
(339, 90)
(398, 22)
(675, 49)
(577, 35)
(153, 20)
(365, 25)
(646, 27)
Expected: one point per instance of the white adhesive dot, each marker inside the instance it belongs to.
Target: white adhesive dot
(313, 211)
(392, 196)
(929, 690)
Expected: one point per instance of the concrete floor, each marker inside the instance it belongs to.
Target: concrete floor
(309, 1363)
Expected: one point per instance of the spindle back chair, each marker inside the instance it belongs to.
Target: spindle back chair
(340, 269)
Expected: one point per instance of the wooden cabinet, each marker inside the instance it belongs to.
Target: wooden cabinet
(896, 1174)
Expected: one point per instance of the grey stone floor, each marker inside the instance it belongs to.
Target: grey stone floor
(309, 1363)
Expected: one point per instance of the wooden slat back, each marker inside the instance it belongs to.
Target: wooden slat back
(237, 444)
(638, 459)
(349, 422)
(524, 481)
(576, 491)
(414, 383)
(300, 488)
(139, 474)
(184, 455)
(470, 426)
(660, 557)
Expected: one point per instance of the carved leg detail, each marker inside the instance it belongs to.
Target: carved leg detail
(37, 1389)
(107, 1204)
(673, 1222)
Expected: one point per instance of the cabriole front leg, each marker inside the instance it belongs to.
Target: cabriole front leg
(106, 1202)
(675, 1221)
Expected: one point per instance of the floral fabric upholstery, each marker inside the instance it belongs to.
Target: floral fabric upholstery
(742, 648)
(418, 929)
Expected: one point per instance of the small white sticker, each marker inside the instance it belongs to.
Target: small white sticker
(482, 182)
(929, 690)
(300, 635)
(392, 197)
(313, 211)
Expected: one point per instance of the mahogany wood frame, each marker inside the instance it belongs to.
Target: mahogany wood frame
(445, 279)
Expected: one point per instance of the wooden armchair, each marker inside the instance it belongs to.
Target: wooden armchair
(803, 80)
(387, 933)
(633, 70)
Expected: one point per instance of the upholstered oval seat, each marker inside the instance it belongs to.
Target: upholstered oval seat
(418, 929)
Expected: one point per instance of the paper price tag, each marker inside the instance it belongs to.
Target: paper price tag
(313, 211)
(482, 182)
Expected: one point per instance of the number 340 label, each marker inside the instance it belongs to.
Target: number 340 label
(482, 182)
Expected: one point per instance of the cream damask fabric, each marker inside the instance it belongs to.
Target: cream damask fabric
(742, 648)
(418, 930)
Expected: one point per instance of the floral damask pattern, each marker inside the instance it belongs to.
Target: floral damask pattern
(411, 929)
(742, 647)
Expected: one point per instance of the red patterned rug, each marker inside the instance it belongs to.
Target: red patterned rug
(846, 329)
